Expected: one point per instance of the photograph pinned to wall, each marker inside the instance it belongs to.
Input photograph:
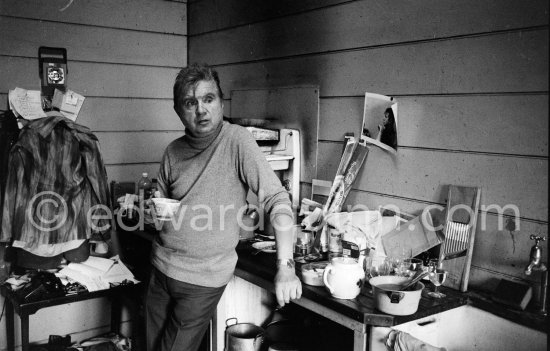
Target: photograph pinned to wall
(380, 121)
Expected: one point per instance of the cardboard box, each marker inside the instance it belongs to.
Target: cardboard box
(415, 236)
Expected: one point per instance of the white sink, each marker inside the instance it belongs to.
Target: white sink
(467, 328)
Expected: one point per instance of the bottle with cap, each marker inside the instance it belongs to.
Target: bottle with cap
(144, 187)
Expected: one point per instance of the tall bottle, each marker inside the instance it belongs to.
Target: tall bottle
(144, 187)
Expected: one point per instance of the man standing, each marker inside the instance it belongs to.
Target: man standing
(210, 170)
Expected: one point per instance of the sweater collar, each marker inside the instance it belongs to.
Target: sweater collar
(201, 143)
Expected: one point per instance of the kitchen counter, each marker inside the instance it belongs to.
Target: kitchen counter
(260, 269)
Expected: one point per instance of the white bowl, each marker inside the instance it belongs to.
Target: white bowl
(312, 273)
(165, 208)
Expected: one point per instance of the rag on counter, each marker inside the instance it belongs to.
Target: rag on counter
(56, 175)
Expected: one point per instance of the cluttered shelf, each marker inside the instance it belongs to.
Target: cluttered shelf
(21, 305)
(17, 304)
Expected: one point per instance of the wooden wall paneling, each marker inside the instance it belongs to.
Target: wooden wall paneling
(507, 251)
(134, 147)
(94, 79)
(508, 124)
(210, 15)
(420, 174)
(22, 37)
(362, 24)
(125, 114)
(129, 114)
(130, 172)
(291, 107)
(339, 116)
(145, 15)
(443, 67)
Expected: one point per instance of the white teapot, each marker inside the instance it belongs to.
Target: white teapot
(344, 277)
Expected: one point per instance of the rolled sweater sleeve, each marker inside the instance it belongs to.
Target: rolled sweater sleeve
(256, 172)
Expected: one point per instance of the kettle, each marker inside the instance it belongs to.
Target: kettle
(344, 277)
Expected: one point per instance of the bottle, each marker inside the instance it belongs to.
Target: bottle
(144, 187)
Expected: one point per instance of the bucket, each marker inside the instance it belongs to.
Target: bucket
(391, 301)
(243, 336)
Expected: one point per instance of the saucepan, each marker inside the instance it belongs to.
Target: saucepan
(389, 298)
(243, 336)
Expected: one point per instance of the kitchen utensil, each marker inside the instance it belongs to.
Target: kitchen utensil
(415, 279)
(460, 227)
(344, 277)
(388, 298)
(243, 336)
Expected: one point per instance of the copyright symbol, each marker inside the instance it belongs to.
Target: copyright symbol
(49, 208)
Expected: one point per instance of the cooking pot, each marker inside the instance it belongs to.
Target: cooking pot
(388, 298)
(243, 336)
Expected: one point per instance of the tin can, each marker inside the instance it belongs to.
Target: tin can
(304, 242)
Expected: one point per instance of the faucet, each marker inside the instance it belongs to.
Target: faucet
(536, 264)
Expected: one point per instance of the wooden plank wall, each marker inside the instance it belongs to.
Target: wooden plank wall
(123, 57)
(471, 80)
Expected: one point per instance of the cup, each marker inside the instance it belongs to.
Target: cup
(165, 208)
(434, 264)
(408, 267)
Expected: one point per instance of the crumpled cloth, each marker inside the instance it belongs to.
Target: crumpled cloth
(400, 341)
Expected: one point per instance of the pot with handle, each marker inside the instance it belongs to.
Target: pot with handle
(243, 336)
(344, 277)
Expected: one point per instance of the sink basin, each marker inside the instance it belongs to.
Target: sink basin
(467, 328)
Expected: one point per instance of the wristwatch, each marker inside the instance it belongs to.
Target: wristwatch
(286, 262)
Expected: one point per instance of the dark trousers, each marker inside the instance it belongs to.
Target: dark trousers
(178, 313)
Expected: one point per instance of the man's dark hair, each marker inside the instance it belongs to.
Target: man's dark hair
(189, 76)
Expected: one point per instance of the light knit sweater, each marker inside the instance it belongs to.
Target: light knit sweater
(211, 176)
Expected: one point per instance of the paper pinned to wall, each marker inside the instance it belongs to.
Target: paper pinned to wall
(26, 103)
(380, 122)
(69, 103)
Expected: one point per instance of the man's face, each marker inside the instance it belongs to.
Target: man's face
(202, 109)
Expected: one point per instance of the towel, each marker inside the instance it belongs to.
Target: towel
(401, 341)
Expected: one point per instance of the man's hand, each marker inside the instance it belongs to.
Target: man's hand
(287, 285)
